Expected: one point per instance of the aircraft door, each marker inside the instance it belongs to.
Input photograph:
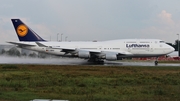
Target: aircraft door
(100, 47)
(129, 49)
(151, 48)
(47, 49)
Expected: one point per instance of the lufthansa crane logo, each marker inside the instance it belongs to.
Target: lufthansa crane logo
(22, 30)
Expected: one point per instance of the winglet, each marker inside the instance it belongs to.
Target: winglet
(24, 33)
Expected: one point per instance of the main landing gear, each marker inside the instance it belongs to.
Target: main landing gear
(156, 61)
(96, 61)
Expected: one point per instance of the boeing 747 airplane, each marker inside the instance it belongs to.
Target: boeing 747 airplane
(93, 51)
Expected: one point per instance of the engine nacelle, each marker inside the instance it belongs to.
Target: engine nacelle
(111, 57)
(84, 54)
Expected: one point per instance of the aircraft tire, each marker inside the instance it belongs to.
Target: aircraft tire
(156, 63)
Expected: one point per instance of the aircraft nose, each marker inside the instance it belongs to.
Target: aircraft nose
(172, 49)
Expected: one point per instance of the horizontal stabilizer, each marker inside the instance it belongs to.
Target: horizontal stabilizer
(21, 44)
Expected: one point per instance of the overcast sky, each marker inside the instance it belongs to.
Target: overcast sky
(86, 20)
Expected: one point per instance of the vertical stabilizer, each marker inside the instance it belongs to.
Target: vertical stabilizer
(24, 33)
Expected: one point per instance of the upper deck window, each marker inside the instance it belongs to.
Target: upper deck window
(144, 42)
(130, 42)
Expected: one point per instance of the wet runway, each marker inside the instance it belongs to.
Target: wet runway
(74, 61)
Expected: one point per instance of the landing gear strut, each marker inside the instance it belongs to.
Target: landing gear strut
(156, 61)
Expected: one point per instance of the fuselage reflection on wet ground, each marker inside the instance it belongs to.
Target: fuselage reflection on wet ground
(74, 61)
(140, 63)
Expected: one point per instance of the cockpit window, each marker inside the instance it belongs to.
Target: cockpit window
(161, 42)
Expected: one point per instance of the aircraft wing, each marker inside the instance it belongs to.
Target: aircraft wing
(92, 52)
(64, 49)
(21, 44)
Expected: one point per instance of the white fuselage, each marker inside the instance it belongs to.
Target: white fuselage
(123, 47)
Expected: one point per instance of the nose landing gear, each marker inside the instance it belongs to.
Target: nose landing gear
(156, 61)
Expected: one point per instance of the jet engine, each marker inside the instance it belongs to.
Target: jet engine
(111, 57)
(84, 54)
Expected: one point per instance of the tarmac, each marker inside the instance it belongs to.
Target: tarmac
(75, 61)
